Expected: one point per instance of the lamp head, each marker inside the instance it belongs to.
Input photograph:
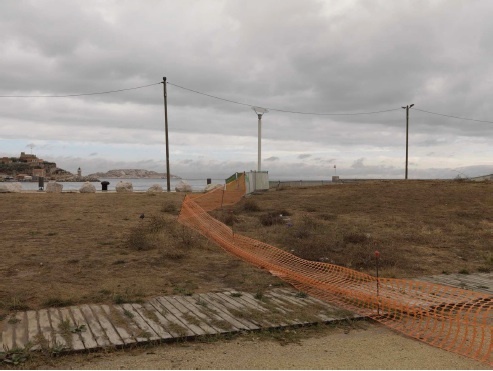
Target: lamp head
(259, 110)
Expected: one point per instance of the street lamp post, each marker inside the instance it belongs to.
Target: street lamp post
(259, 111)
(407, 133)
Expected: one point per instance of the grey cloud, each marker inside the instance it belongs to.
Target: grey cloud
(358, 164)
(301, 56)
(303, 156)
(272, 158)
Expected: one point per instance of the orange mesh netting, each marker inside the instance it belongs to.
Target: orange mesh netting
(450, 318)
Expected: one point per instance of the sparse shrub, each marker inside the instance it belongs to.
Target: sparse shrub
(355, 237)
(174, 255)
(229, 218)
(169, 207)
(156, 224)
(144, 236)
(301, 233)
(306, 228)
(328, 216)
(259, 295)
(139, 239)
(484, 269)
(57, 302)
(251, 206)
(464, 271)
(271, 218)
(188, 237)
(17, 304)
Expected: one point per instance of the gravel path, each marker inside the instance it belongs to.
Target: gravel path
(373, 348)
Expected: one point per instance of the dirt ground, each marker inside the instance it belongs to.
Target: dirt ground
(71, 248)
(63, 249)
(329, 348)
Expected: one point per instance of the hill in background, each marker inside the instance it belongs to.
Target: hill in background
(132, 174)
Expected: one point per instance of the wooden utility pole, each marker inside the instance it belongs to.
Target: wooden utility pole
(168, 186)
(407, 133)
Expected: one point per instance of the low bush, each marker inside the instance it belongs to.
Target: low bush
(271, 218)
(251, 206)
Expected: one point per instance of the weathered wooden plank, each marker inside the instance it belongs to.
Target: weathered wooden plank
(286, 307)
(247, 299)
(172, 323)
(82, 325)
(190, 315)
(235, 307)
(287, 297)
(93, 324)
(124, 316)
(223, 311)
(20, 329)
(58, 339)
(8, 341)
(45, 326)
(249, 303)
(73, 338)
(33, 329)
(281, 305)
(477, 282)
(144, 332)
(106, 325)
(116, 319)
(154, 314)
(209, 315)
(179, 314)
(152, 322)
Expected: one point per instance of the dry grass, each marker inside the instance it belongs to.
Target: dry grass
(94, 248)
(419, 227)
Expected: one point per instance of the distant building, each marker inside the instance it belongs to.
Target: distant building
(25, 177)
(5, 160)
(79, 172)
(39, 173)
(29, 158)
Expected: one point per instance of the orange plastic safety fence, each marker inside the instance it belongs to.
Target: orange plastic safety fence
(450, 318)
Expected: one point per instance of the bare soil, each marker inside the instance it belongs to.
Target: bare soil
(71, 248)
(321, 347)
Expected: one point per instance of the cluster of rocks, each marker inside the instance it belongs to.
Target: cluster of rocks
(87, 187)
(9, 187)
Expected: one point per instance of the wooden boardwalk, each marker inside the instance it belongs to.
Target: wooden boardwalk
(94, 326)
(167, 318)
(482, 282)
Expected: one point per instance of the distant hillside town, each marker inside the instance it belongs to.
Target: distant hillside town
(28, 167)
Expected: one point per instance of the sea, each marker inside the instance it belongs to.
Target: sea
(139, 185)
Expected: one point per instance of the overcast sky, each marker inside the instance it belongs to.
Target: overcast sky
(307, 56)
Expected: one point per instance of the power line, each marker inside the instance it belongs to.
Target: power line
(77, 95)
(455, 117)
(280, 110)
(239, 103)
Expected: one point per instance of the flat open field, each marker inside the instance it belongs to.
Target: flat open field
(70, 248)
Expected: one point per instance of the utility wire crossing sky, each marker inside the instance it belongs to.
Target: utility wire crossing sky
(337, 72)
